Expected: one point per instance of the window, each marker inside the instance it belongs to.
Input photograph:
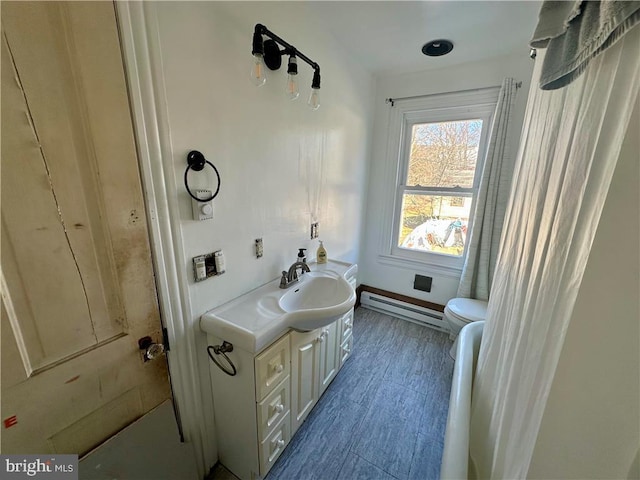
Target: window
(441, 143)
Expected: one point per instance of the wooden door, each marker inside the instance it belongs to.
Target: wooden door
(304, 375)
(77, 282)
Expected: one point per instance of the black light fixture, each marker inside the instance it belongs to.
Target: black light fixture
(268, 53)
(437, 48)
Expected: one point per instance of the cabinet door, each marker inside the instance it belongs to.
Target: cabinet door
(329, 344)
(346, 326)
(345, 350)
(304, 375)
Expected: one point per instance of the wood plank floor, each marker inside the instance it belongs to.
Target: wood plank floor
(384, 415)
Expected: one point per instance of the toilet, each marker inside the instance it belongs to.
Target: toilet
(461, 311)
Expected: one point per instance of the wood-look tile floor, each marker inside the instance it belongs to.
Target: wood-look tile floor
(384, 415)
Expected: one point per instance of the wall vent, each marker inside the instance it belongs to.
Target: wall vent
(405, 311)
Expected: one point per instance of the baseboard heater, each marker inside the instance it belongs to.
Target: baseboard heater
(404, 311)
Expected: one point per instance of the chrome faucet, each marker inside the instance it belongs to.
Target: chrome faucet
(291, 277)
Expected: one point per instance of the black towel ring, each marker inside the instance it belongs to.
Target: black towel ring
(223, 350)
(196, 162)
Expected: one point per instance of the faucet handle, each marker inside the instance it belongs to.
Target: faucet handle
(283, 280)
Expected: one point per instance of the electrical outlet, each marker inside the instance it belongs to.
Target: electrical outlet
(314, 230)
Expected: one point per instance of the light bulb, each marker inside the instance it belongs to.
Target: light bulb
(314, 99)
(258, 74)
(292, 77)
(292, 87)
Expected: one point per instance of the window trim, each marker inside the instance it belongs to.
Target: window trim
(476, 104)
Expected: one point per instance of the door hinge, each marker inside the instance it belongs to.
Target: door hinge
(165, 339)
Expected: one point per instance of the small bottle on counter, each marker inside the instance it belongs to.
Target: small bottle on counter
(321, 254)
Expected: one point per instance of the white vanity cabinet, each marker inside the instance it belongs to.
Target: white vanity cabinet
(280, 372)
(315, 362)
(260, 408)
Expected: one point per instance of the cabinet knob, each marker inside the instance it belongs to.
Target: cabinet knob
(321, 338)
(280, 443)
(279, 368)
(346, 349)
(279, 408)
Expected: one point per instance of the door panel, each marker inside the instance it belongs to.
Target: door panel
(77, 283)
(50, 183)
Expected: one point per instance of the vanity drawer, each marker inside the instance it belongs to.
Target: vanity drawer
(273, 446)
(345, 350)
(272, 366)
(273, 408)
(346, 324)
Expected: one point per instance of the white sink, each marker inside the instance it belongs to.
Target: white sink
(257, 318)
(316, 300)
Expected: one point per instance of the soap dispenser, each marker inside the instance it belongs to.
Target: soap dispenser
(301, 257)
(321, 254)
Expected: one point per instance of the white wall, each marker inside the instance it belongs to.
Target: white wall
(263, 145)
(591, 423)
(382, 189)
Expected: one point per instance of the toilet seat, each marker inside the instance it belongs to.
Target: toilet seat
(460, 312)
(467, 310)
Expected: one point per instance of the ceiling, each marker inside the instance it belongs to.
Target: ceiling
(386, 36)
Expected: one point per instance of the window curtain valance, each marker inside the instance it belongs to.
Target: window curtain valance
(575, 32)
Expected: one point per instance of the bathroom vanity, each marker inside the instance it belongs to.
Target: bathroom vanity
(283, 365)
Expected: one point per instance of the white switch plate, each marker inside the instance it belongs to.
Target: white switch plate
(202, 210)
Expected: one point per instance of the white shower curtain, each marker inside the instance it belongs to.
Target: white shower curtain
(569, 147)
(493, 194)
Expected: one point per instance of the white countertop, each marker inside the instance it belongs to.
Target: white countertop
(254, 320)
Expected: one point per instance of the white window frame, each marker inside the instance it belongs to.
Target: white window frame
(476, 104)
